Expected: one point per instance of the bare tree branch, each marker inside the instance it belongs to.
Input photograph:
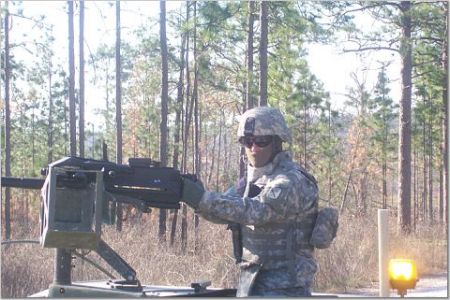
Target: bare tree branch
(370, 48)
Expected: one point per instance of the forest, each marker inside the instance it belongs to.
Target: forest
(172, 88)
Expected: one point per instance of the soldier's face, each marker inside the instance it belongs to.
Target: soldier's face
(258, 149)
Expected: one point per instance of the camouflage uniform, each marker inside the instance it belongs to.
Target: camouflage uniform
(276, 228)
(276, 223)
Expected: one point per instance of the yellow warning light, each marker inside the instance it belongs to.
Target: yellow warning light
(402, 275)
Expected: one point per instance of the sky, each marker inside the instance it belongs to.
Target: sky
(333, 68)
(327, 62)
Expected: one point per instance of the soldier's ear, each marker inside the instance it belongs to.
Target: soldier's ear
(277, 144)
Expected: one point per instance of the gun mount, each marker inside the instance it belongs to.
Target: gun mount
(76, 198)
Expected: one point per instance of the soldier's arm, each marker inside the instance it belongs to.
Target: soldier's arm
(282, 197)
(210, 216)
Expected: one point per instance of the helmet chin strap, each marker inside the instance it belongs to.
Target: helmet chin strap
(277, 146)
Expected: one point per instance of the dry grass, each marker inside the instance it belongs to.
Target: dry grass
(349, 263)
(352, 259)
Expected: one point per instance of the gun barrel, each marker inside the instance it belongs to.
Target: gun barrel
(22, 183)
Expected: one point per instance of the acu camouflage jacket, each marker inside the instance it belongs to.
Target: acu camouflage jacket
(276, 224)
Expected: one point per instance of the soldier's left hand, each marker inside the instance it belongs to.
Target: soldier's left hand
(192, 192)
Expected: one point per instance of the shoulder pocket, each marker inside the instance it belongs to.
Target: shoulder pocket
(325, 228)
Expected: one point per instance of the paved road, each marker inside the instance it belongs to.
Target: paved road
(435, 286)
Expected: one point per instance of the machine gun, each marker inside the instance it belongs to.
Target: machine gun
(75, 201)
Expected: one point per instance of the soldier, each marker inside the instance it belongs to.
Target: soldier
(272, 212)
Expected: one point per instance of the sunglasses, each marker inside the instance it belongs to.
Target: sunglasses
(260, 141)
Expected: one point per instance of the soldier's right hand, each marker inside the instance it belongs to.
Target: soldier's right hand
(192, 192)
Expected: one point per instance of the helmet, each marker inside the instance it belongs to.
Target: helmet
(264, 121)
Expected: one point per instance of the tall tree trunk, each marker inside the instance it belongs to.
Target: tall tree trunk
(72, 116)
(443, 172)
(197, 158)
(441, 193)
(205, 170)
(108, 121)
(404, 195)
(425, 172)
(81, 92)
(188, 129)
(415, 183)
(344, 197)
(50, 116)
(179, 104)
(329, 156)
(305, 135)
(250, 90)
(245, 103)
(384, 167)
(7, 223)
(164, 108)
(213, 159)
(263, 65)
(33, 134)
(186, 133)
(226, 149)
(173, 228)
(184, 225)
(219, 154)
(430, 169)
(384, 183)
(187, 96)
(446, 95)
(66, 126)
(179, 107)
(118, 59)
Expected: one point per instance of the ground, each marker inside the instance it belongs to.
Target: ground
(429, 286)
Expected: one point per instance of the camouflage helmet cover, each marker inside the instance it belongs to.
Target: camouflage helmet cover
(264, 120)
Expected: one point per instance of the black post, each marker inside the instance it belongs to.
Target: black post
(63, 266)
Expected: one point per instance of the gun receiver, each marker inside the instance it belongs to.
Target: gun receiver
(142, 182)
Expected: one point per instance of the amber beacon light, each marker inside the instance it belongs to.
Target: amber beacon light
(402, 275)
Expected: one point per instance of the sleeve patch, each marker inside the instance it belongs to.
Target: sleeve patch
(274, 193)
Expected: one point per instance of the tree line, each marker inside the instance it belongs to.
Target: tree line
(174, 96)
